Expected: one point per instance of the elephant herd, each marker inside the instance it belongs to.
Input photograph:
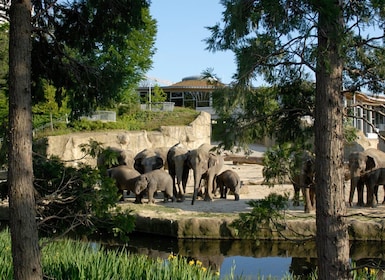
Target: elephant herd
(145, 172)
(365, 168)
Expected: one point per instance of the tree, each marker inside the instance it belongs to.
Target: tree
(25, 242)
(84, 57)
(325, 40)
(92, 52)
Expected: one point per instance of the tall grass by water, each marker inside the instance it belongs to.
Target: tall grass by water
(68, 259)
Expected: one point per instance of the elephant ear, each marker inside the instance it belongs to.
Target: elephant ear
(212, 160)
(370, 163)
(158, 163)
(138, 165)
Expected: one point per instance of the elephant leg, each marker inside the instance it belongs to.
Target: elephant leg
(312, 196)
(383, 202)
(376, 193)
(370, 195)
(185, 178)
(222, 190)
(150, 194)
(180, 197)
(236, 196)
(210, 184)
(174, 186)
(308, 205)
(296, 195)
(138, 198)
(360, 191)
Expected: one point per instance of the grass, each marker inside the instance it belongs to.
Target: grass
(67, 259)
(137, 120)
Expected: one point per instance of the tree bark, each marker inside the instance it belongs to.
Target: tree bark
(332, 231)
(24, 236)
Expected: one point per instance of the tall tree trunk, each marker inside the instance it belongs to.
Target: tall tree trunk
(332, 234)
(24, 236)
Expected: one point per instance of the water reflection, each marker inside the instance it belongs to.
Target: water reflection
(251, 258)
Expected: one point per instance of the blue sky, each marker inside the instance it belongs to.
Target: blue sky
(180, 47)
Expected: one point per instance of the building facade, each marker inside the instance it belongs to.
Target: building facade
(196, 92)
(192, 92)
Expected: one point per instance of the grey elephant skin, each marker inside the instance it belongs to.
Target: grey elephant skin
(228, 180)
(156, 180)
(205, 164)
(151, 159)
(366, 168)
(125, 179)
(178, 169)
(112, 157)
(303, 181)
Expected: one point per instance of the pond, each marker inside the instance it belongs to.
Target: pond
(251, 258)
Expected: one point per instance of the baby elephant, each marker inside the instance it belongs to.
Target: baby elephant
(228, 179)
(156, 180)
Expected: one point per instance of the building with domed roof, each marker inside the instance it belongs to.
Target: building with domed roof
(192, 92)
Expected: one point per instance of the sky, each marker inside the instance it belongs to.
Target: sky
(180, 47)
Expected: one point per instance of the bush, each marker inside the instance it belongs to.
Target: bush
(77, 200)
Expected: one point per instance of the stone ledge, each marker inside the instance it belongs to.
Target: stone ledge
(295, 228)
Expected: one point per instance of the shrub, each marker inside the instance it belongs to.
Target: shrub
(77, 200)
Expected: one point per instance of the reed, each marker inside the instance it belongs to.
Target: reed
(68, 259)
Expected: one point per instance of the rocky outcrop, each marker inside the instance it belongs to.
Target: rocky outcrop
(68, 147)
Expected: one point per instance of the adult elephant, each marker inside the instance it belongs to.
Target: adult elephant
(178, 169)
(303, 181)
(112, 157)
(205, 164)
(125, 179)
(366, 168)
(151, 159)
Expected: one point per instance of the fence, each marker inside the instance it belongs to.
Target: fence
(107, 116)
(158, 106)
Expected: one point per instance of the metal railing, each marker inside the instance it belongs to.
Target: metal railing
(158, 106)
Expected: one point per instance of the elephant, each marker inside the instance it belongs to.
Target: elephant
(155, 180)
(228, 179)
(303, 180)
(366, 168)
(125, 179)
(205, 164)
(151, 159)
(178, 168)
(112, 157)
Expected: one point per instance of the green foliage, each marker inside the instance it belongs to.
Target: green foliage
(77, 200)
(4, 43)
(281, 163)
(95, 52)
(66, 259)
(246, 115)
(264, 215)
(158, 95)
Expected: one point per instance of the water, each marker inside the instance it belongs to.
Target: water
(250, 258)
